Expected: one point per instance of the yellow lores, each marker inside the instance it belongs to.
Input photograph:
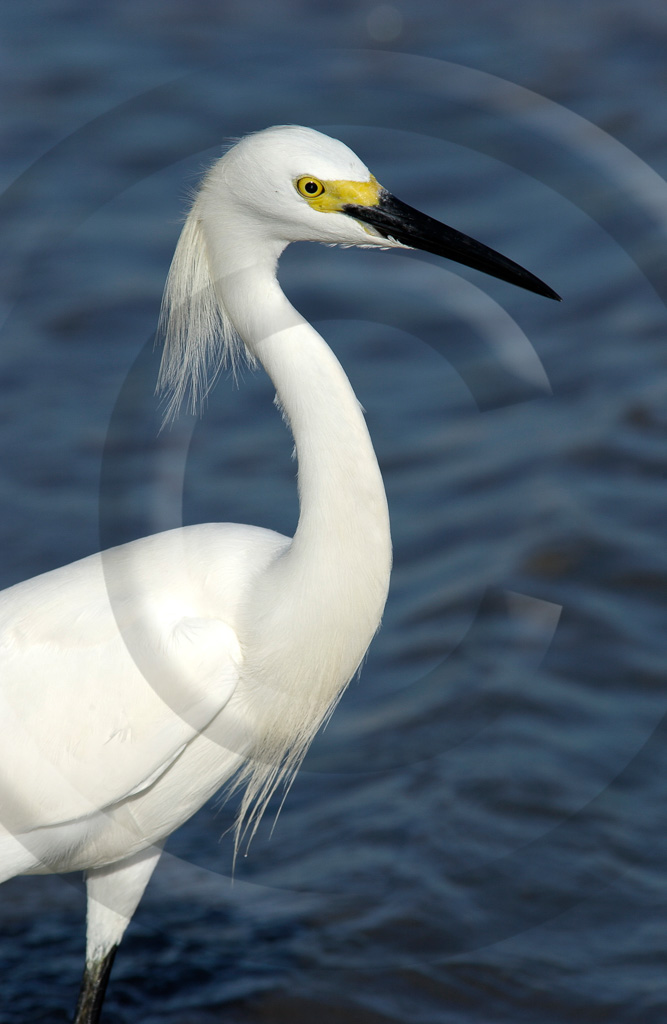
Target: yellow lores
(332, 196)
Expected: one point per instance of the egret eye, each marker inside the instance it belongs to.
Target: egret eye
(309, 188)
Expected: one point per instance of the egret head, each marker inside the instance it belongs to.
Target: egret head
(282, 185)
(291, 184)
(296, 184)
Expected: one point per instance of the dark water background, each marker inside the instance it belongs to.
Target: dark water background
(479, 836)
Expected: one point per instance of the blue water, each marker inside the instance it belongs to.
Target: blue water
(479, 836)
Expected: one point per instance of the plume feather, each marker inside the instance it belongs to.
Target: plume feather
(199, 338)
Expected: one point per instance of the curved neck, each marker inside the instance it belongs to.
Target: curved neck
(342, 543)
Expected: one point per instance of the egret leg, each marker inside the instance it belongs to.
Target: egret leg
(113, 894)
(93, 987)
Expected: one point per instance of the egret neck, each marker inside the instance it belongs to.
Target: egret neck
(336, 570)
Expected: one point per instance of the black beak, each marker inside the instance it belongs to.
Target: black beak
(394, 219)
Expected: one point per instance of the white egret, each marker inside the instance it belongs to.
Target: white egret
(135, 682)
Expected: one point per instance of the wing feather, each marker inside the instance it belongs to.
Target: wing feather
(109, 668)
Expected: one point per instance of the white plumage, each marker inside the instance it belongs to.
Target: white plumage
(137, 681)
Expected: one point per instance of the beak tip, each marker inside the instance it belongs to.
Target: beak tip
(548, 292)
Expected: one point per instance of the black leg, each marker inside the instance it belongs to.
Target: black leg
(93, 987)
